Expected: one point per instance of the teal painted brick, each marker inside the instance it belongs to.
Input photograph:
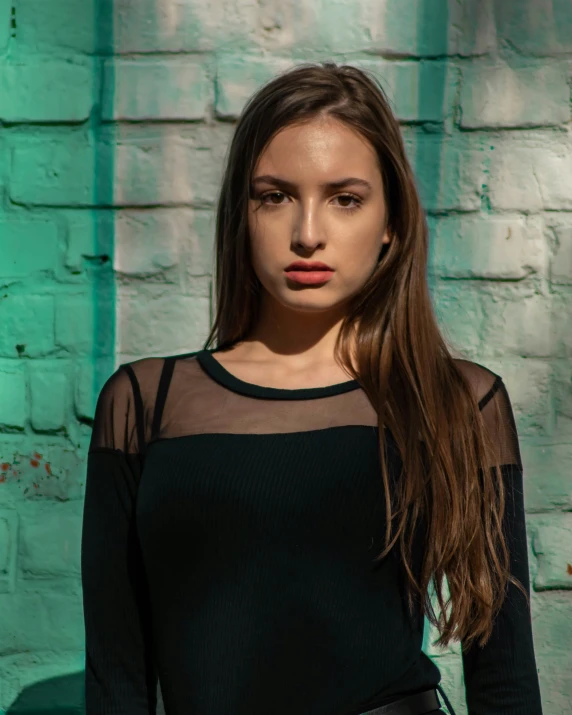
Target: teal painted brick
(40, 621)
(8, 546)
(48, 538)
(58, 26)
(89, 234)
(169, 89)
(44, 682)
(26, 320)
(551, 619)
(75, 324)
(54, 172)
(547, 467)
(552, 544)
(543, 28)
(44, 90)
(41, 467)
(404, 27)
(161, 169)
(48, 390)
(449, 177)
(14, 403)
(85, 391)
(5, 11)
(419, 91)
(27, 246)
(498, 95)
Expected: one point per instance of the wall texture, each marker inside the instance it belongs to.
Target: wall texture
(114, 121)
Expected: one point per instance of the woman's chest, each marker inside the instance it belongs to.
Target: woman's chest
(321, 488)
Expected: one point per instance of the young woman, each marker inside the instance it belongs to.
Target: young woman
(264, 518)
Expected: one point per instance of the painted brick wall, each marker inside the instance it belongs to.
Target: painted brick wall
(115, 117)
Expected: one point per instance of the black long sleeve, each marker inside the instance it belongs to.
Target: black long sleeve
(120, 673)
(502, 677)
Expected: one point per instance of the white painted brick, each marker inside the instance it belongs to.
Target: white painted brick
(531, 178)
(197, 244)
(155, 321)
(512, 182)
(180, 25)
(555, 676)
(518, 321)
(169, 169)
(143, 89)
(460, 314)
(238, 77)
(561, 262)
(554, 172)
(562, 387)
(547, 469)
(495, 247)
(147, 242)
(495, 95)
(552, 545)
(529, 385)
(562, 322)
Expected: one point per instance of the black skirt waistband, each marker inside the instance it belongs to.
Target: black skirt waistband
(417, 704)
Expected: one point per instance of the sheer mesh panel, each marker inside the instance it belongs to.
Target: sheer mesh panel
(496, 408)
(195, 403)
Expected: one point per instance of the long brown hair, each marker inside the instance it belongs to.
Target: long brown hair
(453, 482)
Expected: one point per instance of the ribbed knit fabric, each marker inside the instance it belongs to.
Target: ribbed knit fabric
(227, 552)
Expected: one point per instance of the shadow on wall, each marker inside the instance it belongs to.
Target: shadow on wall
(62, 695)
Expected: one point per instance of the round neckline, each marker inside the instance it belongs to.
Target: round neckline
(219, 373)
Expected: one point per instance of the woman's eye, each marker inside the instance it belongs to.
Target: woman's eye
(342, 197)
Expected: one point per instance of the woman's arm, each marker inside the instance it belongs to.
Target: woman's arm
(120, 675)
(502, 676)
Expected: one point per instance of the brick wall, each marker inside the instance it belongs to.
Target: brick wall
(115, 117)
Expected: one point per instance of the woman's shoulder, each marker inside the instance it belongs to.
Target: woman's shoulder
(484, 381)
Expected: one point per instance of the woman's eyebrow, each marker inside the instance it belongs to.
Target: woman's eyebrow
(340, 184)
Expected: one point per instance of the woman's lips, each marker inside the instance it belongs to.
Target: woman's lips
(309, 277)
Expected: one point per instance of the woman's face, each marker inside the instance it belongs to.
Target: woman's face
(294, 215)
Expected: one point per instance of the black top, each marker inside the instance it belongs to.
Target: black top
(227, 552)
